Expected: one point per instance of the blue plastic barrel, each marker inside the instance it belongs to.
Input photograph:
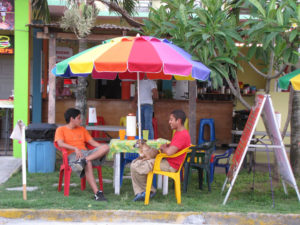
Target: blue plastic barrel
(41, 157)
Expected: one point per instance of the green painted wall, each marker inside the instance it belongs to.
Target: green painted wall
(21, 60)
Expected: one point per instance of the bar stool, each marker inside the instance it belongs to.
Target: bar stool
(209, 122)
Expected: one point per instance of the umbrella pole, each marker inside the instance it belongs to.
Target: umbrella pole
(139, 105)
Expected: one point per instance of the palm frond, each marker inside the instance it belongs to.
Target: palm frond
(40, 10)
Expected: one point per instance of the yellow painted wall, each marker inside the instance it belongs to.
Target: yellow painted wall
(251, 77)
(279, 99)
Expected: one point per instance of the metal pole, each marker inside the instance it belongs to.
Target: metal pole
(139, 105)
(6, 133)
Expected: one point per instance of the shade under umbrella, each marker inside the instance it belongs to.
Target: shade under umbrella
(132, 58)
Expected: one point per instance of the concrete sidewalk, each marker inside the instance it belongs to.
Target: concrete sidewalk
(119, 216)
(8, 166)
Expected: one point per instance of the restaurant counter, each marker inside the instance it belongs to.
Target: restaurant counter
(113, 109)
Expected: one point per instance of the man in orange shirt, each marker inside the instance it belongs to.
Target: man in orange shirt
(74, 137)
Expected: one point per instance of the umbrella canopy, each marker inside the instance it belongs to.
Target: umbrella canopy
(126, 56)
(293, 77)
(132, 58)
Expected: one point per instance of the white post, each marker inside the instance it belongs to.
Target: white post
(165, 185)
(159, 181)
(117, 168)
(139, 105)
(22, 125)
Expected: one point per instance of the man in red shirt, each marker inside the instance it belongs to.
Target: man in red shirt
(140, 168)
(74, 138)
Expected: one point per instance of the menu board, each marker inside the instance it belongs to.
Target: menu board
(263, 104)
(246, 137)
(7, 14)
(6, 45)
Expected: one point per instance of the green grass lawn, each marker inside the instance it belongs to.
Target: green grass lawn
(242, 198)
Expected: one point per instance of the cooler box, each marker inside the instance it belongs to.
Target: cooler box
(41, 157)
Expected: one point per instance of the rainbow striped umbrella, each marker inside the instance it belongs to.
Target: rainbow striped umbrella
(293, 78)
(132, 58)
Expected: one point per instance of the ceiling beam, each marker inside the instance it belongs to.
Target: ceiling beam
(70, 36)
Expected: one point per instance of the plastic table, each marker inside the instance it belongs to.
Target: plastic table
(118, 146)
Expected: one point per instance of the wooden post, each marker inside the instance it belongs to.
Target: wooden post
(52, 85)
(192, 110)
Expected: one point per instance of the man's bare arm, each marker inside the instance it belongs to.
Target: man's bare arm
(134, 100)
(155, 93)
(168, 149)
(93, 143)
(62, 144)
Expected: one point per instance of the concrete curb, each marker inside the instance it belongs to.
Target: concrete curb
(150, 216)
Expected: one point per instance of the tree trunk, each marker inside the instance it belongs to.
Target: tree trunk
(129, 19)
(235, 90)
(192, 110)
(81, 102)
(288, 119)
(295, 134)
(52, 84)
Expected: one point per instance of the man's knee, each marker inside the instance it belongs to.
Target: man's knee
(105, 148)
(88, 165)
(134, 165)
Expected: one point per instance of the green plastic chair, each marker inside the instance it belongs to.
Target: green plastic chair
(204, 152)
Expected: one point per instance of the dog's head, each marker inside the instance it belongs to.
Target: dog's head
(139, 143)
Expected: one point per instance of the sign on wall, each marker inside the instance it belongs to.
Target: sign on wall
(6, 45)
(7, 14)
(63, 53)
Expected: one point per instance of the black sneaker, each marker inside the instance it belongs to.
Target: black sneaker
(99, 196)
(78, 167)
(82, 174)
(80, 164)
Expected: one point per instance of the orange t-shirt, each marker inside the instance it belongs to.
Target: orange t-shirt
(76, 137)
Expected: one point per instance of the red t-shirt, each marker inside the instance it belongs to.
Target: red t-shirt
(181, 140)
(76, 137)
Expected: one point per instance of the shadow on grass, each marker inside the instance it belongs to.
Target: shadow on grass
(242, 199)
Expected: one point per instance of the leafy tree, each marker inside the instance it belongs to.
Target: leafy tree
(272, 37)
(125, 8)
(80, 18)
(273, 31)
(208, 31)
(40, 10)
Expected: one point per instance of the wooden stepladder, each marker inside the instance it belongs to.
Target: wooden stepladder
(263, 107)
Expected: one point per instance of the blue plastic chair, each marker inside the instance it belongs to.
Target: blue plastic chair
(216, 162)
(212, 136)
(211, 123)
(126, 158)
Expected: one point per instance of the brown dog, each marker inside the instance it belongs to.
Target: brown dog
(145, 151)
